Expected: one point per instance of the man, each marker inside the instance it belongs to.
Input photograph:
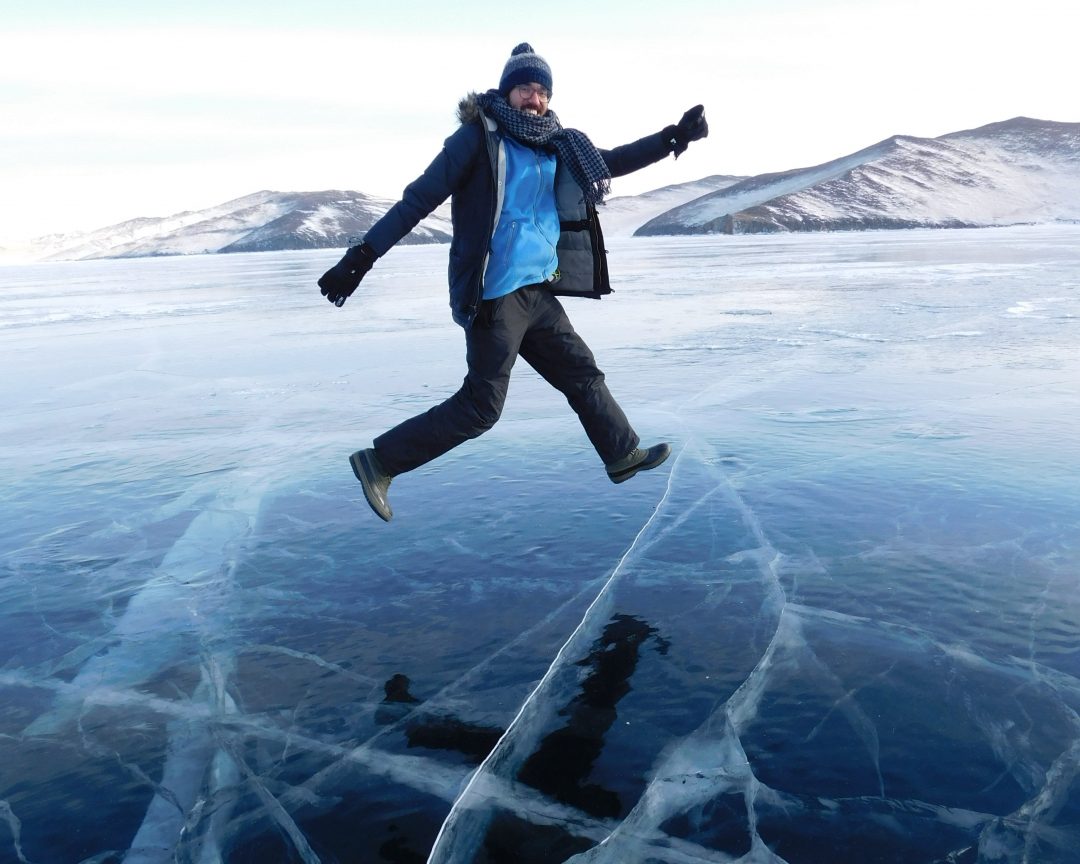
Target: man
(523, 195)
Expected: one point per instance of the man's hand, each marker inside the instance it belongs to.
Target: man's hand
(692, 127)
(341, 280)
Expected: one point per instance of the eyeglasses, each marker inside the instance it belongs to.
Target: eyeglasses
(525, 91)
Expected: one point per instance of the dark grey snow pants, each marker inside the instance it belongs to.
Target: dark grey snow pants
(529, 322)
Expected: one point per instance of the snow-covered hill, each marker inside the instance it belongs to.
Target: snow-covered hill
(312, 220)
(259, 222)
(1017, 171)
(622, 216)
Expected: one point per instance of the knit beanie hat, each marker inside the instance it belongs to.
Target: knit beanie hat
(525, 66)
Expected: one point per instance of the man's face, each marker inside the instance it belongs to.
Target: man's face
(530, 98)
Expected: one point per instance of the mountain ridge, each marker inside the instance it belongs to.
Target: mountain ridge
(258, 222)
(1005, 173)
(1015, 171)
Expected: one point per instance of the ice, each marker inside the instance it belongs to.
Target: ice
(841, 623)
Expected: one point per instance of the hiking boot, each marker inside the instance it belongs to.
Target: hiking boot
(637, 460)
(374, 479)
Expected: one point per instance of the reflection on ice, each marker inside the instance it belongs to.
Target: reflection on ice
(841, 625)
(519, 754)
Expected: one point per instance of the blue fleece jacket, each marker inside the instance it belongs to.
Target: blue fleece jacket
(527, 231)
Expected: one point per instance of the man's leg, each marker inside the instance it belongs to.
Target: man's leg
(491, 348)
(553, 348)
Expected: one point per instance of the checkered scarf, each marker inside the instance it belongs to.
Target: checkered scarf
(574, 148)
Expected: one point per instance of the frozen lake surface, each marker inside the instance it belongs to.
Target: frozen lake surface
(841, 624)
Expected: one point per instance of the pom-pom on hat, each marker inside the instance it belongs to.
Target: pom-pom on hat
(525, 66)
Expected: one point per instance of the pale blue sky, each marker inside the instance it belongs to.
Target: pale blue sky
(114, 110)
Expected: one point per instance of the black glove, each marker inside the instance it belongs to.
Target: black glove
(341, 280)
(691, 128)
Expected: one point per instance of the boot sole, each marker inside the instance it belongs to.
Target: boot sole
(366, 475)
(643, 465)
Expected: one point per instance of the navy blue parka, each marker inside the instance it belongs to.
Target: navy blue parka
(468, 170)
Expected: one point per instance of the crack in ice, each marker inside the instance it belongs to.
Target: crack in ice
(504, 750)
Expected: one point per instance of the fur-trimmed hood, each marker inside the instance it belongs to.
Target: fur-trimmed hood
(468, 110)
